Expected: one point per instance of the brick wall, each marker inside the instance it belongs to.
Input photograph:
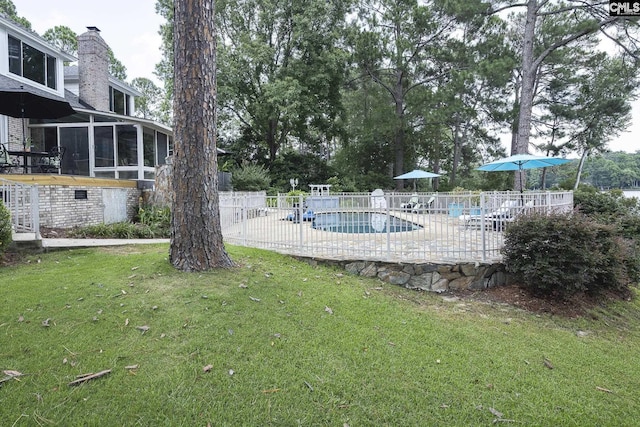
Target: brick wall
(59, 206)
(15, 133)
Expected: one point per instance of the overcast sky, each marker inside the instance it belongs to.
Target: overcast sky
(130, 28)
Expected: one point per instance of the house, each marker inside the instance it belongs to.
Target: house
(102, 139)
(110, 156)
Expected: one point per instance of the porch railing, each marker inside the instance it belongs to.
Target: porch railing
(22, 201)
(447, 227)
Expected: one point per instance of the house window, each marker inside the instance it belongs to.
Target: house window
(148, 146)
(162, 148)
(103, 143)
(118, 102)
(44, 138)
(75, 142)
(127, 145)
(30, 63)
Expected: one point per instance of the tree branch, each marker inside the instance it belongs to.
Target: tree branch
(569, 39)
(88, 377)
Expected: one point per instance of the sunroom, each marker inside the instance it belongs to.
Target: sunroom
(104, 145)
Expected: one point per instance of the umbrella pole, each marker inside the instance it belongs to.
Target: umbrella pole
(520, 172)
(520, 176)
(24, 136)
(24, 132)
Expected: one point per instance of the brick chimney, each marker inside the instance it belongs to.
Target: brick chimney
(93, 69)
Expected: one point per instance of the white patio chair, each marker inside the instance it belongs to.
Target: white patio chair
(424, 207)
(505, 210)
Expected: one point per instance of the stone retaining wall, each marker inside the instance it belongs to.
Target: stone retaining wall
(427, 276)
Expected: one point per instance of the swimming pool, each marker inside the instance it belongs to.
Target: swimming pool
(361, 222)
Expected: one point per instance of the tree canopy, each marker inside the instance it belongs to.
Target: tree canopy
(373, 88)
(377, 87)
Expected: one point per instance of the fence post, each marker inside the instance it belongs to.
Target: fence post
(388, 222)
(548, 207)
(243, 218)
(483, 228)
(301, 219)
(35, 210)
(12, 200)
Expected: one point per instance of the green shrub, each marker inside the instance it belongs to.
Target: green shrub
(119, 230)
(610, 208)
(601, 206)
(563, 254)
(250, 178)
(156, 219)
(151, 222)
(342, 185)
(153, 215)
(293, 197)
(5, 228)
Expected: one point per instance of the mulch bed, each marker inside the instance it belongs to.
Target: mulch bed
(517, 296)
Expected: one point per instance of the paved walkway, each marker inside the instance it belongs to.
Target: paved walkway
(83, 243)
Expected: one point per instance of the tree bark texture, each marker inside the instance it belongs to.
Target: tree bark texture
(529, 70)
(196, 235)
(398, 145)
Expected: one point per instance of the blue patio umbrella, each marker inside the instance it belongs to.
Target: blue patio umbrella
(416, 174)
(519, 162)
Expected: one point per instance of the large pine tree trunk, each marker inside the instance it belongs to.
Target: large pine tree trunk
(399, 133)
(196, 236)
(529, 70)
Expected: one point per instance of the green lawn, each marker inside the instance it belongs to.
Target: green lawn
(278, 342)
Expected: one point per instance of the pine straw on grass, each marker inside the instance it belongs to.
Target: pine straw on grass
(275, 341)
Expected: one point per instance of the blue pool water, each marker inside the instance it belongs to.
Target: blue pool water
(361, 222)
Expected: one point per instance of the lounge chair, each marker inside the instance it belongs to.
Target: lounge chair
(496, 219)
(424, 207)
(411, 204)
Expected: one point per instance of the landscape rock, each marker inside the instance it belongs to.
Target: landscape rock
(430, 277)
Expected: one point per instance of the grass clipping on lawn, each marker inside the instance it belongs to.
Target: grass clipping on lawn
(277, 341)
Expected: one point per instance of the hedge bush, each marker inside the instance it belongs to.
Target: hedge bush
(563, 254)
(150, 223)
(250, 178)
(5, 228)
(610, 208)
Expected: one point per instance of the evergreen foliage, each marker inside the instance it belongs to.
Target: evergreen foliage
(563, 254)
(250, 177)
(151, 222)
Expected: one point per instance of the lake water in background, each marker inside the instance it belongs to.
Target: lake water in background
(631, 193)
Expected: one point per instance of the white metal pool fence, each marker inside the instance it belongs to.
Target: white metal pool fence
(22, 202)
(442, 227)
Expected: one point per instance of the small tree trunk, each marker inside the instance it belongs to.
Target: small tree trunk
(196, 235)
(584, 156)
